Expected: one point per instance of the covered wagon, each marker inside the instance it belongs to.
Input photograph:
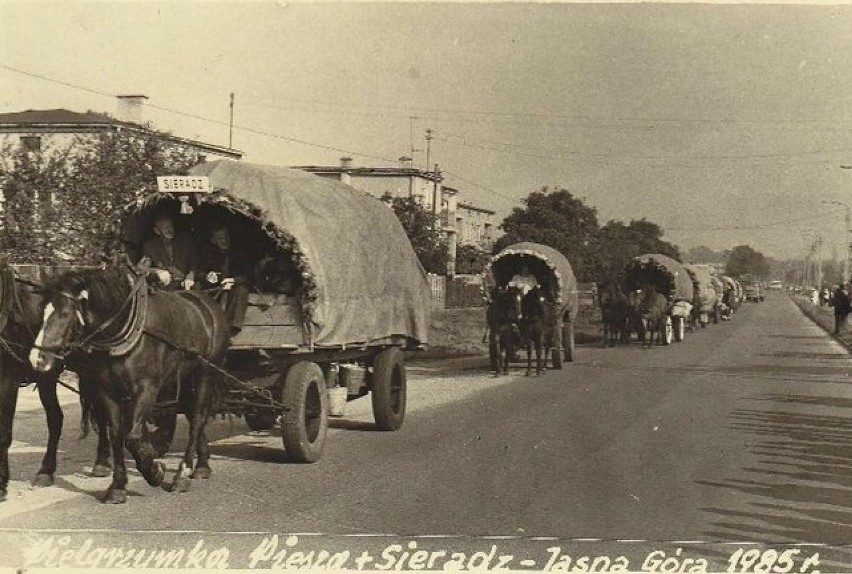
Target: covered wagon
(670, 278)
(705, 302)
(345, 297)
(555, 277)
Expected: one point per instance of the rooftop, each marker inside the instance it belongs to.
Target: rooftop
(66, 120)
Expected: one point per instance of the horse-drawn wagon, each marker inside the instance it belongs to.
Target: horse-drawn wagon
(552, 274)
(670, 279)
(706, 301)
(357, 298)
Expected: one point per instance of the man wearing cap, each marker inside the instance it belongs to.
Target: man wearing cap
(227, 268)
(170, 256)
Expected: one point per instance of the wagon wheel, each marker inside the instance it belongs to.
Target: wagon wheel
(388, 389)
(568, 340)
(306, 420)
(160, 430)
(669, 332)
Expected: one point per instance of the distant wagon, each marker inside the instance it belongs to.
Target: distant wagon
(705, 304)
(670, 278)
(356, 298)
(556, 278)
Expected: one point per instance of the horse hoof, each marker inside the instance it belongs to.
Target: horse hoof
(42, 480)
(115, 496)
(203, 472)
(181, 484)
(101, 470)
(159, 474)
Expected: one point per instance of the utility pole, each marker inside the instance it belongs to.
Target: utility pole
(435, 193)
(231, 125)
(428, 147)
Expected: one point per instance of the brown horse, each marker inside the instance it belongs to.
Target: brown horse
(21, 308)
(184, 338)
(614, 312)
(654, 311)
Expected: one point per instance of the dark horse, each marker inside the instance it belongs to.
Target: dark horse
(516, 321)
(184, 333)
(21, 308)
(533, 328)
(614, 312)
(503, 315)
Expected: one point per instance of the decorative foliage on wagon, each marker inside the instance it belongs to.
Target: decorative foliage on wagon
(639, 273)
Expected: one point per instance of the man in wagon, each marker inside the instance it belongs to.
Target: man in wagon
(525, 281)
(170, 256)
(227, 268)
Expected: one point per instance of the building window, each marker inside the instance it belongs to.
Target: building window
(31, 143)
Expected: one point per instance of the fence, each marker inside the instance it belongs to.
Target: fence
(438, 288)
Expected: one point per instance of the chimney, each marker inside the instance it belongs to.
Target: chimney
(405, 162)
(346, 162)
(130, 108)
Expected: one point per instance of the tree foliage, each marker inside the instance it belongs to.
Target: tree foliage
(470, 259)
(618, 243)
(558, 219)
(746, 261)
(423, 230)
(62, 205)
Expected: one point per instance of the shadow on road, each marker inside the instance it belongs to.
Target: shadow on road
(799, 487)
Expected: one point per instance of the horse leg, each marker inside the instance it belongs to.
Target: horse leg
(92, 408)
(137, 443)
(8, 403)
(539, 344)
(202, 467)
(116, 493)
(47, 394)
(197, 421)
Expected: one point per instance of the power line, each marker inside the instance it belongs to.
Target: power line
(466, 140)
(756, 227)
(201, 118)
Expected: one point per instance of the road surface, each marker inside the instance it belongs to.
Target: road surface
(741, 433)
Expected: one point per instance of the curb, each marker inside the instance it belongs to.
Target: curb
(808, 311)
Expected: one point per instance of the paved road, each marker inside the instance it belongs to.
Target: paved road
(742, 432)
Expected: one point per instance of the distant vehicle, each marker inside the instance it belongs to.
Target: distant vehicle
(776, 285)
(753, 291)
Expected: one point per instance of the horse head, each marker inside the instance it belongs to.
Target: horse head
(78, 305)
(532, 304)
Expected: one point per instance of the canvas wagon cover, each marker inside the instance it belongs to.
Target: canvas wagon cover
(678, 284)
(705, 297)
(366, 280)
(551, 263)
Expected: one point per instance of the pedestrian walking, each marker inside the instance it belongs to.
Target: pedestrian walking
(842, 308)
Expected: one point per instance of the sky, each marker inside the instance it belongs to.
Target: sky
(725, 124)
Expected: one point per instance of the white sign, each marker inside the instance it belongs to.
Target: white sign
(183, 184)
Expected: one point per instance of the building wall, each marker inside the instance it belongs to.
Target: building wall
(475, 228)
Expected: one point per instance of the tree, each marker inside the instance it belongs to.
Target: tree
(470, 259)
(746, 261)
(619, 243)
(64, 205)
(423, 230)
(559, 220)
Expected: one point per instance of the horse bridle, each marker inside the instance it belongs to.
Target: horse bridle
(87, 343)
